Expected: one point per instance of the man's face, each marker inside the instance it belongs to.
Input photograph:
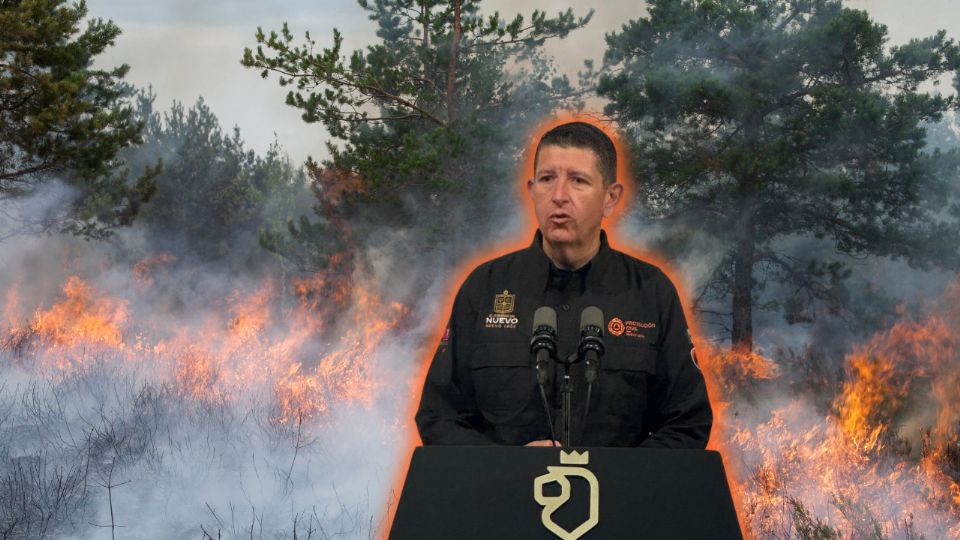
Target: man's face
(569, 196)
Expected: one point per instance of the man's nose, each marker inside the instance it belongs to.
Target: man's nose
(561, 191)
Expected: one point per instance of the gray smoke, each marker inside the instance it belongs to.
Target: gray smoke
(83, 423)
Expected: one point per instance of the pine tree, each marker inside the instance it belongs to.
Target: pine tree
(213, 195)
(61, 119)
(758, 121)
(426, 124)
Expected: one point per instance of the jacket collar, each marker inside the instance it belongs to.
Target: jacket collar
(537, 265)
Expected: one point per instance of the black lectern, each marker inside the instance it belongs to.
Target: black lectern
(500, 492)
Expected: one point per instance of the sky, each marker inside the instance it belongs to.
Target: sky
(185, 49)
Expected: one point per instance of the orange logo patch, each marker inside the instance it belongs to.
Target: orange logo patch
(616, 326)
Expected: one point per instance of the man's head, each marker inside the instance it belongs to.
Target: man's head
(574, 186)
(587, 136)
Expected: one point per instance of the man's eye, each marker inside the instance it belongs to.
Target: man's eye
(545, 178)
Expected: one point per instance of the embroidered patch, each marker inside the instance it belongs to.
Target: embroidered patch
(615, 327)
(503, 316)
(504, 302)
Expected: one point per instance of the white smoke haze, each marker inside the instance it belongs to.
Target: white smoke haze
(167, 384)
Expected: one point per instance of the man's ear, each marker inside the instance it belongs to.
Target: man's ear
(612, 197)
(530, 186)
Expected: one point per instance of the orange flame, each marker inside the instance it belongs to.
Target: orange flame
(143, 270)
(852, 461)
(81, 318)
(246, 343)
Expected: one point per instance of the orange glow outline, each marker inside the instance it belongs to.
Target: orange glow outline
(520, 241)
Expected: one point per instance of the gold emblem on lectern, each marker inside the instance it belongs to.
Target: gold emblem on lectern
(551, 504)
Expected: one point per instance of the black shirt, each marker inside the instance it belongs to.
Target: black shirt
(481, 387)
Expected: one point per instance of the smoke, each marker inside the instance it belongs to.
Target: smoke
(875, 451)
(165, 391)
(174, 398)
(845, 423)
(166, 395)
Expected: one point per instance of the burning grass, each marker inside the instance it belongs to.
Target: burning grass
(109, 410)
(875, 458)
(248, 343)
(111, 406)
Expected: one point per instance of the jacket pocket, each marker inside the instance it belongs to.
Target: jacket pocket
(626, 358)
(624, 373)
(503, 381)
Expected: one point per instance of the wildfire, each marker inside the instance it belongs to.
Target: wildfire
(732, 370)
(143, 271)
(338, 373)
(880, 453)
(248, 343)
(82, 317)
(862, 461)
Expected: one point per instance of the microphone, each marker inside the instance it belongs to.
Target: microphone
(543, 345)
(591, 347)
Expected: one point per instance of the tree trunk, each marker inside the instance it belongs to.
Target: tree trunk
(425, 13)
(742, 335)
(425, 16)
(452, 69)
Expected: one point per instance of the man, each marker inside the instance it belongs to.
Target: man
(481, 387)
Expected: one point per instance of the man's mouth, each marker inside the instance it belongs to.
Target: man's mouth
(560, 217)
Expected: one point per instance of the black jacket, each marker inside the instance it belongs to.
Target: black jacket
(481, 387)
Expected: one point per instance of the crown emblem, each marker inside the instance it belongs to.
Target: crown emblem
(561, 476)
(574, 458)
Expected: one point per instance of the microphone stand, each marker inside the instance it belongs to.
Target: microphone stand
(566, 403)
(566, 399)
(541, 381)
